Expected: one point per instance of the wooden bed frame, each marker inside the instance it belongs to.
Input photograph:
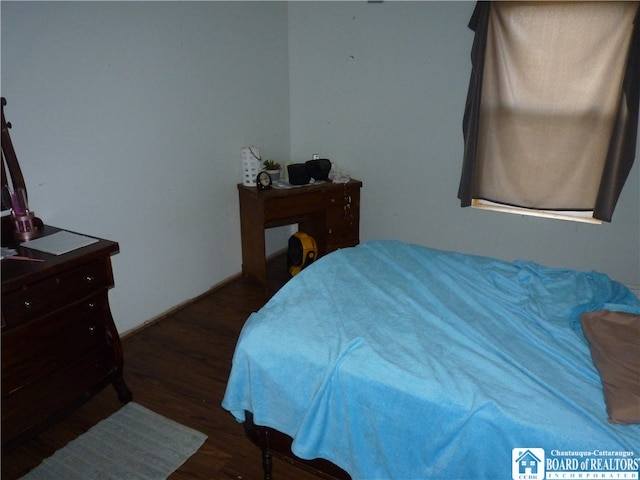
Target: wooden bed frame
(272, 442)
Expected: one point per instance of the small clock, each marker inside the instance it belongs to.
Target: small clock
(263, 181)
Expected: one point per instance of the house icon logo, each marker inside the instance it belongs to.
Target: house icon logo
(527, 464)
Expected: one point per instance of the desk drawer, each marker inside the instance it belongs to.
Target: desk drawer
(344, 215)
(345, 234)
(35, 349)
(300, 205)
(50, 294)
(349, 195)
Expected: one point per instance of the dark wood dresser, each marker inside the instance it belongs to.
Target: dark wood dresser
(329, 212)
(60, 345)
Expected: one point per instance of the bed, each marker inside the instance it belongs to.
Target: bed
(396, 361)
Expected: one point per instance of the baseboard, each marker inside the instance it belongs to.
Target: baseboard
(177, 307)
(181, 305)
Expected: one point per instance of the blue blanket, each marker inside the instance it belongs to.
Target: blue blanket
(396, 361)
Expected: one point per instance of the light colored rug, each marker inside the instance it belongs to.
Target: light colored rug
(133, 443)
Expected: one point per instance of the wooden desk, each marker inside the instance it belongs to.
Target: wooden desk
(329, 212)
(59, 343)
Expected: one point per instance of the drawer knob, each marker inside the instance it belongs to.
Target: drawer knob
(92, 305)
(89, 278)
(92, 329)
(28, 304)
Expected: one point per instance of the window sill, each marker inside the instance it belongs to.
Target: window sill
(572, 216)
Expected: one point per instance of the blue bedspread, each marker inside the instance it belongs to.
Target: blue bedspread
(396, 361)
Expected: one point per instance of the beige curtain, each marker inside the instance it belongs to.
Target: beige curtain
(551, 90)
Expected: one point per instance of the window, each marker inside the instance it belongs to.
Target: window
(551, 119)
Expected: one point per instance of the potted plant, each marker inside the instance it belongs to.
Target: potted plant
(273, 169)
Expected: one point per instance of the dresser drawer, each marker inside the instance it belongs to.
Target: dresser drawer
(29, 406)
(37, 348)
(52, 293)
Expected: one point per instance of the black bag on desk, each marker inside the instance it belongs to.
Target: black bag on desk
(319, 168)
(298, 174)
(302, 252)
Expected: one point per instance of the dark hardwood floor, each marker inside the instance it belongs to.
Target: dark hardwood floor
(178, 367)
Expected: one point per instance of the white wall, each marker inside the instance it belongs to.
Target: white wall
(380, 88)
(128, 119)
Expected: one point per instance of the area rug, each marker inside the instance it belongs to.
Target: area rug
(134, 443)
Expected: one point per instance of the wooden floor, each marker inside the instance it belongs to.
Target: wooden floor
(178, 367)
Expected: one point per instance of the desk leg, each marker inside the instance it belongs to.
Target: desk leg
(252, 225)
